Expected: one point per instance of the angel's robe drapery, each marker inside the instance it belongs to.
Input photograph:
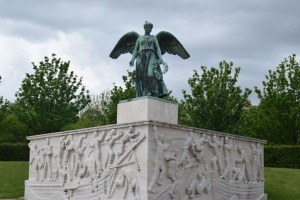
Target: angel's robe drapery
(149, 79)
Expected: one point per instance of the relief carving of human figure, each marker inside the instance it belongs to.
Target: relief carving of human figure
(55, 169)
(199, 149)
(36, 159)
(62, 147)
(172, 171)
(48, 152)
(69, 142)
(95, 159)
(73, 165)
(260, 163)
(161, 144)
(199, 186)
(188, 148)
(110, 143)
(216, 159)
(128, 180)
(128, 137)
(240, 173)
(256, 160)
(80, 166)
(227, 154)
(63, 172)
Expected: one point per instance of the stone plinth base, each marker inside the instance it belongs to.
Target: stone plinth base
(147, 109)
(145, 160)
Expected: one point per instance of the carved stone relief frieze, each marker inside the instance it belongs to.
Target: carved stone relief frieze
(160, 145)
(103, 162)
(128, 180)
(190, 166)
(169, 164)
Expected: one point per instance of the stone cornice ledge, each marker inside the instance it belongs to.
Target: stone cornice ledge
(177, 126)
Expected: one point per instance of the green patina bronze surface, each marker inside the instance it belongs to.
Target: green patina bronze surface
(147, 51)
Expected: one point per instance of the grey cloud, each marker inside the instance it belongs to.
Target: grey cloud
(256, 35)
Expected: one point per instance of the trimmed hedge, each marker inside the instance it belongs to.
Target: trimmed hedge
(14, 152)
(282, 156)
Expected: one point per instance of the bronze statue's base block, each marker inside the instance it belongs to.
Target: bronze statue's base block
(147, 109)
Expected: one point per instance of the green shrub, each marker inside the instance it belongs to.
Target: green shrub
(14, 152)
(282, 156)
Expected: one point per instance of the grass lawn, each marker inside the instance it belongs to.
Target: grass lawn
(281, 183)
(12, 177)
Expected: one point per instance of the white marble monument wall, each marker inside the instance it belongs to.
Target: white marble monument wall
(145, 160)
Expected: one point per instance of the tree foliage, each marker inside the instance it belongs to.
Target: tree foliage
(51, 97)
(12, 129)
(117, 94)
(215, 102)
(102, 109)
(279, 107)
(3, 106)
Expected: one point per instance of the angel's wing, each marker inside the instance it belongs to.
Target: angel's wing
(125, 44)
(169, 43)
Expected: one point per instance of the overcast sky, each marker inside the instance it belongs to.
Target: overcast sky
(255, 35)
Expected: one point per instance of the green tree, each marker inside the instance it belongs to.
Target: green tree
(51, 97)
(116, 94)
(12, 129)
(4, 112)
(215, 101)
(3, 106)
(279, 107)
(92, 115)
(107, 101)
(102, 109)
(251, 123)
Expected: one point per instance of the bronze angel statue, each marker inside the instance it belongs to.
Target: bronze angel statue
(147, 50)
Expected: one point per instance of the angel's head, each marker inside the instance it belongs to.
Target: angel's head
(148, 27)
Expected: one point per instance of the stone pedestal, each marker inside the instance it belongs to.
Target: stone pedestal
(146, 156)
(147, 109)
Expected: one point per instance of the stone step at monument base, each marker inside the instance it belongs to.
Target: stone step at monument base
(145, 159)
